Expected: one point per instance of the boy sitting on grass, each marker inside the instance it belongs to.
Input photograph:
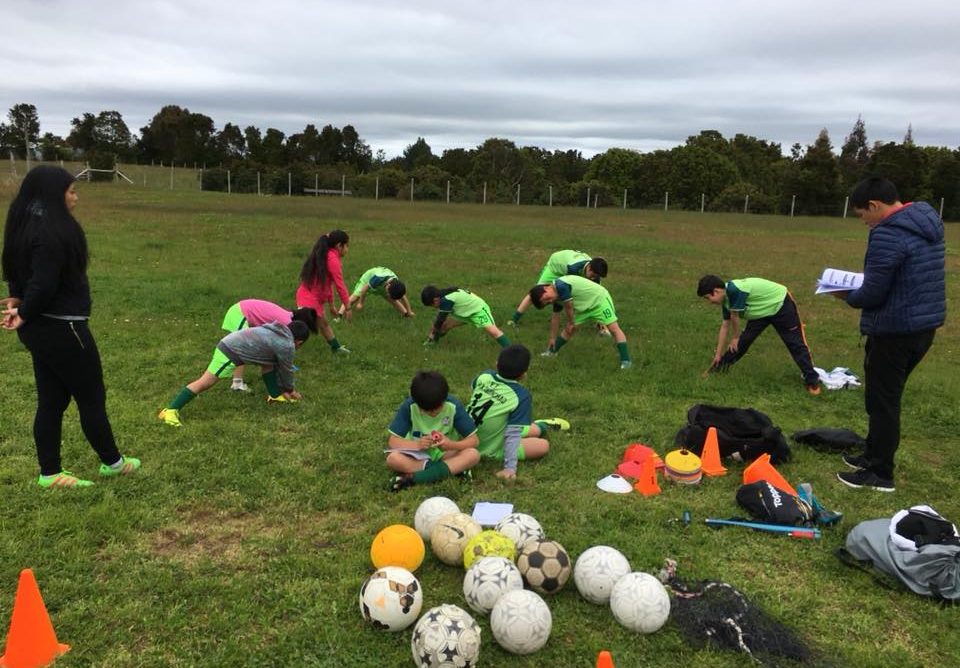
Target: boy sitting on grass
(583, 301)
(380, 281)
(465, 307)
(269, 346)
(502, 409)
(420, 435)
(761, 303)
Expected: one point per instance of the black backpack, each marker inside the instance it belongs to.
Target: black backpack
(742, 433)
(771, 504)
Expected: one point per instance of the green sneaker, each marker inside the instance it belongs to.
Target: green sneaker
(626, 364)
(556, 423)
(62, 479)
(342, 350)
(127, 466)
(171, 416)
(466, 476)
(280, 399)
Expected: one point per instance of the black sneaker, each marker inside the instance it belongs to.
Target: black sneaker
(856, 462)
(466, 476)
(399, 482)
(865, 478)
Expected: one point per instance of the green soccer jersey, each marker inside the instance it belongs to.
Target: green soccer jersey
(462, 304)
(753, 298)
(585, 294)
(376, 278)
(563, 263)
(495, 404)
(411, 423)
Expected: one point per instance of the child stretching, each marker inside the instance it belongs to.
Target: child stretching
(420, 434)
(269, 346)
(380, 281)
(502, 409)
(465, 307)
(321, 271)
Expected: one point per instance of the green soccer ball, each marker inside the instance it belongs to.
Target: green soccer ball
(488, 543)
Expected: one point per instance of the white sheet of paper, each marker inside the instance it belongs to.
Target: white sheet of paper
(487, 513)
(838, 280)
(416, 454)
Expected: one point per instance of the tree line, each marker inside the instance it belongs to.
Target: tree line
(708, 169)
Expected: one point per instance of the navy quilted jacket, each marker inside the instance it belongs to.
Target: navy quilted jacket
(903, 288)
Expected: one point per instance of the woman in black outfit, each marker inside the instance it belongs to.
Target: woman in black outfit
(45, 266)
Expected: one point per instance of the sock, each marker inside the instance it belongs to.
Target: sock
(516, 316)
(558, 344)
(184, 397)
(503, 340)
(334, 344)
(270, 380)
(542, 426)
(623, 352)
(432, 472)
(117, 465)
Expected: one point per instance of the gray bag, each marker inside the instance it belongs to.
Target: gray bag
(926, 560)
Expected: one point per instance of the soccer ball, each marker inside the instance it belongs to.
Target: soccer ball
(391, 599)
(450, 536)
(488, 544)
(446, 637)
(430, 511)
(597, 570)
(544, 565)
(640, 603)
(521, 528)
(397, 545)
(487, 580)
(521, 622)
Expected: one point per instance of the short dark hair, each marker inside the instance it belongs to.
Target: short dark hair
(598, 266)
(513, 361)
(429, 389)
(708, 284)
(299, 330)
(396, 289)
(307, 316)
(428, 294)
(536, 295)
(873, 188)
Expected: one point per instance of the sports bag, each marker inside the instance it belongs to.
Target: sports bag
(742, 433)
(770, 504)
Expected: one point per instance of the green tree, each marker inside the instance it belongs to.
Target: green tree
(356, 152)
(106, 134)
(254, 141)
(697, 172)
(54, 148)
(330, 146)
(499, 164)
(23, 129)
(819, 190)
(854, 155)
(230, 143)
(457, 162)
(617, 169)
(273, 147)
(905, 165)
(177, 135)
(417, 154)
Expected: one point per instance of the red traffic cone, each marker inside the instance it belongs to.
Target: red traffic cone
(647, 483)
(31, 642)
(604, 660)
(762, 469)
(710, 457)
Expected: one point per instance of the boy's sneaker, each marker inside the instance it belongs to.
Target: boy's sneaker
(171, 416)
(626, 364)
(239, 386)
(511, 323)
(603, 330)
(399, 482)
(548, 353)
(556, 423)
(466, 476)
(814, 390)
(62, 480)
(125, 466)
(864, 478)
(342, 350)
(856, 462)
(280, 399)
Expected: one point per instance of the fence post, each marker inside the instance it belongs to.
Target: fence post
(411, 190)
(666, 201)
(746, 202)
(596, 197)
(448, 191)
(793, 203)
(703, 201)
(376, 190)
(518, 194)
(484, 192)
(941, 207)
(289, 184)
(846, 202)
(229, 189)
(171, 175)
(201, 179)
(316, 185)
(343, 185)
(258, 183)
(551, 196)
(588, 197)
(624, 199)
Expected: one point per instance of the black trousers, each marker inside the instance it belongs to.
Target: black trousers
(66, 364)
(887, 365)
(787, 323)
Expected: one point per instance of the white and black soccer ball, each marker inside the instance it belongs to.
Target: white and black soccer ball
(430, 511)
(487, 580)
(544, 565)
(520, 527)
(597, 570)
(446, 637)
(450, 536)
(640, 603)
(521, 622)
(391, 598)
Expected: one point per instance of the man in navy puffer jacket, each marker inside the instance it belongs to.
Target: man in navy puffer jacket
(903, 302)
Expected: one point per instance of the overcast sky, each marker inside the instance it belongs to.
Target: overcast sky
(559, 75)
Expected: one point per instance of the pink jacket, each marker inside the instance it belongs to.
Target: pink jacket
(318, 294)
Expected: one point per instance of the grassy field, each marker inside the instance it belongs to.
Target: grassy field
(245, 539)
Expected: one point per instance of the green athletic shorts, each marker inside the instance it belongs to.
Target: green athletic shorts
(604, 314)
(482, 318)
(234, 321)
(497, 453)
(221, 366)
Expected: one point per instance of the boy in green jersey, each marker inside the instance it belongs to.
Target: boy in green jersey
(380, 281)
(761, 303)
(563, 263)
(465, 307)
(421, 445)
(583, 301)
(502, 409)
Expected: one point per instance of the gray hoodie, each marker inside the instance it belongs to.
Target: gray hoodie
(271, 343)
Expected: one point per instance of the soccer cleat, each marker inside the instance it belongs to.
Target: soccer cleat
(62, 480)
(342, 350)
(429, 343)
(814, 390)
(280, 399)
(239, 386)
(603, 330)
(626, 364)
(511, 323)
(548, 353)
(127, 466)
(399, 482)
(558, 424)
(856, 462)
(171, 416)
(865, 479)
(466, 476)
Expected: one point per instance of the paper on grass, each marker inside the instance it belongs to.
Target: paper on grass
(487, 513)
(838, 280)
(409, 452)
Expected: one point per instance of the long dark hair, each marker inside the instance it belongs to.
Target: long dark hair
(40, 206)
(315, 268)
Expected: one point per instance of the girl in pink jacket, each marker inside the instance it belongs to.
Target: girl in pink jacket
(320, 273)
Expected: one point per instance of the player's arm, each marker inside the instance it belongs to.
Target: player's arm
(721, 341)
(446, 444)
(436, 331)
(570, 327)
(511, 446)
(400, 443)
(734, 331)
(465, 426)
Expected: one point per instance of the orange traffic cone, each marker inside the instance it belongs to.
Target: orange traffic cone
(762, 469)
(31, 642)
(647, 483)
(710, 457)
(604, 660)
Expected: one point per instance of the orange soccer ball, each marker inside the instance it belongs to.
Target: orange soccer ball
(397, 545)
